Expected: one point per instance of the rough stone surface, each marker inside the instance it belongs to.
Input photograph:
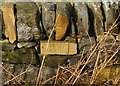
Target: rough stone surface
(8, 47)
(82, 18)
(111, 12)
(48, 16)
(23, 32)
(63, 15)
(16, 69)
(23, 55)
(106, 39)
(58, 47)
(54, 61)
(49, 69)
(98, 17)
(86, 43)
(9, 21)
(26, 44)
(0, 24)
(5, 76)
(4, 41)
(110, 72)
(48, 72)
(27, 27)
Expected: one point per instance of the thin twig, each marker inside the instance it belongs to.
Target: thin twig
(10, 74)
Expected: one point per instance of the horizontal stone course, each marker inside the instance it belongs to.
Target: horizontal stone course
(58, 47)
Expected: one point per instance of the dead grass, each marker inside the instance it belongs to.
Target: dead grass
(75, 73)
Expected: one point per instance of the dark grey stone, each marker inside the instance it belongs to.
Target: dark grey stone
(47, 72)
(65, 8)
(5, 76)
(86, 43)
(23, 55)
(48, 17)
(8, 47)
(54, 61)
(98, 17)
(0, 24)
(82, 18)
(23, 32)
(27, 21)
(111, 12)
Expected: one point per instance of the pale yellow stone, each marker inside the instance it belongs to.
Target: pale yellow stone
(9, 21)
(58, 48)
(61, 25)
(4, 41)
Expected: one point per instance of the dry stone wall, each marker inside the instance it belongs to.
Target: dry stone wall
(71, 27)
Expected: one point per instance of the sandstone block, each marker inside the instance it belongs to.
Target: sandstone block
(58, 47)
(61, 26)
(9, 21)
(63, 14)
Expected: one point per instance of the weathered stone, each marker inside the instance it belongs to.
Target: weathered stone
(70, 39)
(5, 76)
(8, 47)
(27, 21)
(31, 76)
(26, 44)
(23, 55)
(26, 12)
(0, 25)
(9, 21)
(54, 61)
(111, 13)
(49, 69)
(19, 68)
(48, 72)
(48, 17)
(30, 71)
(106, 39)
(23, 32)
(98, 17)
(109, 73)
(4, 41)
(86, 42)
(82, 18)
(63, 14)
(58, 47)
